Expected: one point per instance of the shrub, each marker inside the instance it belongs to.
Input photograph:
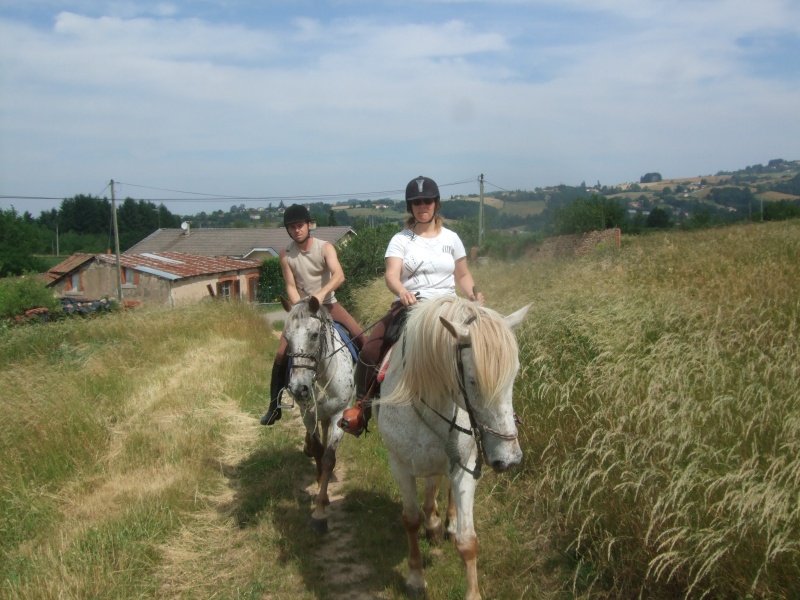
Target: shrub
(19, 295)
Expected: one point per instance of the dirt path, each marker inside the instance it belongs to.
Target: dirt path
(336, 554)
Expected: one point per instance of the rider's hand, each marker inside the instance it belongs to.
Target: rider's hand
(407, 298)
(477, 298)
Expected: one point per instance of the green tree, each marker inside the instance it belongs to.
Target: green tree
(588, 214)
(331, 218)
(362, 259)
(650, 178)
(270, 281)
(658, 219)
(19, 240)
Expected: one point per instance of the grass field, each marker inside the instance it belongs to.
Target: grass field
(659, 396)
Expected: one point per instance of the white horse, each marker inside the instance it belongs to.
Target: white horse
(446, 405)
(321, 382)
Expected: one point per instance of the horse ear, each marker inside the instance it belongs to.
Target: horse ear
(514, 319)
(287, 306)
(313, 304)
(459, 332)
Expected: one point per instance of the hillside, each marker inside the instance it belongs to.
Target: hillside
(724, 196)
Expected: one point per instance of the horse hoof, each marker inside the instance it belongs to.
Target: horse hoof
(416, 592)
(319, 526)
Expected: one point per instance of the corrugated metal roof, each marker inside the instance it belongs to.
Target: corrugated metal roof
(233, 242)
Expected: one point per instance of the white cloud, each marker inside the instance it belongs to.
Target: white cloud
(534, 93)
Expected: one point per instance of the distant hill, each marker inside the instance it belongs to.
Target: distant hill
(731, 195)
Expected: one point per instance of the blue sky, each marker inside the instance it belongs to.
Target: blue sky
(341, 98)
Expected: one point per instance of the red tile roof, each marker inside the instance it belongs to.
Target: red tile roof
(178, 264)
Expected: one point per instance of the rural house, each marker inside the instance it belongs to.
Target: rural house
(243, 243)
(155, 279)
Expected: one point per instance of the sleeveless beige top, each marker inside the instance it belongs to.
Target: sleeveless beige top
(310, 270)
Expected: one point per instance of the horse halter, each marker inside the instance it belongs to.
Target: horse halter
(477, 430)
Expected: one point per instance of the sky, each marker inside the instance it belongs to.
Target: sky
(207, 104)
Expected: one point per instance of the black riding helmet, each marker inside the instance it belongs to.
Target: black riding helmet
(420, 188)
(296, 214)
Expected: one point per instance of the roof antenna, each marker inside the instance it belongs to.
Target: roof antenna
(185, 227)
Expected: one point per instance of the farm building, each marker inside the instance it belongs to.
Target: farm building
(243, 243)
(160, 279)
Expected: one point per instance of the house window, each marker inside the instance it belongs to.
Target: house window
(74, 283)
(128, 276)
(252, 288)
(224, 289)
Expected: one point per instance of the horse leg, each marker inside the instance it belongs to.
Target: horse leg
(412, 520)
(451, 520)
(319, 518)
(313, 448)
(463, 489)
(433, 523)
(327, 463)
(308, 446)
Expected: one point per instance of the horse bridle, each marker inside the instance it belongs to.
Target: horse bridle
(316, 359)
(476, 430)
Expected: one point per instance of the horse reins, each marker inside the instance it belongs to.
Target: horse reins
(476, 429)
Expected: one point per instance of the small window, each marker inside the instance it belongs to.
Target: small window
(224, 289)
(128, 276)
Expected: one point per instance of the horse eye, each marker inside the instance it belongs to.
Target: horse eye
(314, 336)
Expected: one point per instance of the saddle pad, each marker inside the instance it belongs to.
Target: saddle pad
(384, 365)
(347, 341)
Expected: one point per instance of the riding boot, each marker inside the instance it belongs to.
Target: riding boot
(277, 383)
(355, 419)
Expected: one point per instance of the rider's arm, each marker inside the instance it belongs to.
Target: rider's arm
(288, 277)
(394, 266)
(465, 282)
(335, 268)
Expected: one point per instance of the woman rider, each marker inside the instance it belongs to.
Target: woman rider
(423, 261)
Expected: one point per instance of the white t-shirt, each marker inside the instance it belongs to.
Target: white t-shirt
(428, 263)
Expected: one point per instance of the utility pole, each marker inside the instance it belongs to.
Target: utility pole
(116, 241)
(480, 217)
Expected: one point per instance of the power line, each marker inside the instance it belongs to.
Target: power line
(219, 197)
(497, 186)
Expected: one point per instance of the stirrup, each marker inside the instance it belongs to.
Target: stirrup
(281, 402)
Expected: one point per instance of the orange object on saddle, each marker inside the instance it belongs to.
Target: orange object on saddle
(384, 365)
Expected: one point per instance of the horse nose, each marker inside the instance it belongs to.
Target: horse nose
(501, 465)
(304, 391)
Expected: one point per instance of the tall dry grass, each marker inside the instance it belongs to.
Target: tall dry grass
(130, 461)
(660, 391)
(660, 394)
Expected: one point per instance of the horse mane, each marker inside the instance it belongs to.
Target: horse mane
(429, 353)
